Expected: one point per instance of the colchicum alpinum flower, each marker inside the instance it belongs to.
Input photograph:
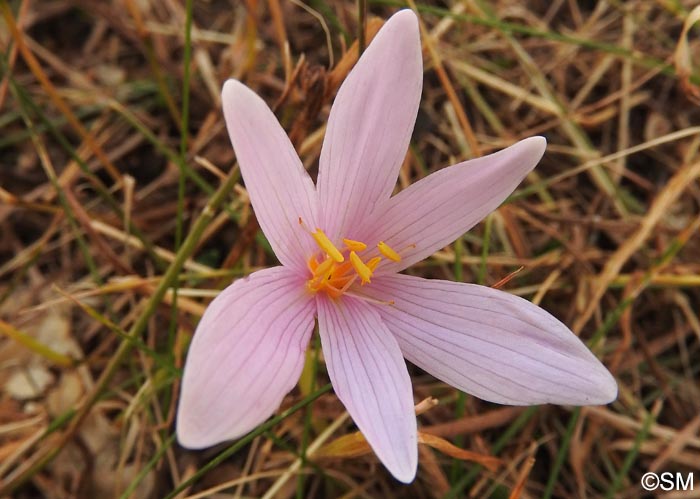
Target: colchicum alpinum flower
(342, 244)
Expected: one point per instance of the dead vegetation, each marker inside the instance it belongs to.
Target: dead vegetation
(113, 145)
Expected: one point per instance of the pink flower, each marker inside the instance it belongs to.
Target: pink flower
(342, 243)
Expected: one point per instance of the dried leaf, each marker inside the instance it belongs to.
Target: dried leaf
(490, 462)
(66, 394)
(28, 383)
(355, 445)
(350, 445)
(425, 405)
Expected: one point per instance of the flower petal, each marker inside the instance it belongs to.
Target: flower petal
(370, 377)
(246, 355)
(280, 189)
(489, 343)
(436, 210)
(370, 126)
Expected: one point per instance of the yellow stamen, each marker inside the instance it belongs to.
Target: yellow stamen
(372, 264)
(370, 300)
(324, 267)
(385, 250)
(326, 245)
(335, 270)
(347, 285)
(312, 264)
(353, 245)
(343, 269)
(333, 292)
(362, 270)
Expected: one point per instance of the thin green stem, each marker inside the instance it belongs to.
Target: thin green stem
(631, 456)
(51, 175)
(362, 22)
(247, 439)
(184, 134)
(308, 416)
(148, 467)
(561, 454)
(515, 426)
(124, 348)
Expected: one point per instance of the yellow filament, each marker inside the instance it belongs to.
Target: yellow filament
(333, 292)
(326, 245)
(312, 264)
(372, 264)
(355, 245)
(362, 270)
(323, 268)
(385, 250)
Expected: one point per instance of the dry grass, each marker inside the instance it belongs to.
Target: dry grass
(112, 147)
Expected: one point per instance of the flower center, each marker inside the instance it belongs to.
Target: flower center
(334, 270)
